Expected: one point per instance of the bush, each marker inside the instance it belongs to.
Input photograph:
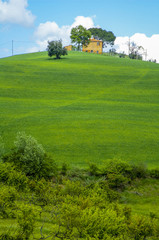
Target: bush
(139, 171)
(101, 191)
(93, 169)
(77, 174)
(141, 227)
(122, 55)
(117, 181)
(154, 173)
(73, 188)
(10, 176)
(7, 236)
(130, 171)
(117, 166)
(64, 169)
(8, 195)
(1, 147)
(30, 157)
(45, 192)
(26, 221)
(91, 223)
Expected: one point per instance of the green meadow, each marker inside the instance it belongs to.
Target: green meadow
(83, 108)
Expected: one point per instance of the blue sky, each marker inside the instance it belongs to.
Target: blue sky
(31, 23)
(123, 17)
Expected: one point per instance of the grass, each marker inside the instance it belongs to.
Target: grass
(143, 197)
(82, 108)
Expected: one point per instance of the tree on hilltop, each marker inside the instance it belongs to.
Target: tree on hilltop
(55, 48)
(80, 36)
(135, 51)
(107, 37)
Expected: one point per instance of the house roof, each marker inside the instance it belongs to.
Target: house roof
(95, 40)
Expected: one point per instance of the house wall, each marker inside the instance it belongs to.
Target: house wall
(69, 48)
(95, 46)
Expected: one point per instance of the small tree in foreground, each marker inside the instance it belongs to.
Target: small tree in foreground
(55, 48)
(30, 157)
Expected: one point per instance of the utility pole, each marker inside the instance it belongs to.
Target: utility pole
(146, 55)
(129, 47)
(12, 47)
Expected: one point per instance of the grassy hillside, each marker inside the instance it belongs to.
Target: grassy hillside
(84, 107)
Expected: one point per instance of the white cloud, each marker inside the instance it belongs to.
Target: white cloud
(86, 22)
(51, 31)
(150, 44)
(15, 11)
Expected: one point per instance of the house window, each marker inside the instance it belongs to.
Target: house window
(97, 51)
(91, 50)
(98, 43)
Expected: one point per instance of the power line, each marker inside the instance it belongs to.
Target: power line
(4, 43)
(13, 42)
(12, 47)
(25, 41)
(20, 41)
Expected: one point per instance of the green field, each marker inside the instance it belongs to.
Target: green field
(82, 108)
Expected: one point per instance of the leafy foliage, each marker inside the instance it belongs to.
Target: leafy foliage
(12, 177)
(26, 221)
(8, 195)
(80, 36)
(154, 173)
(107, 37)
(140, 227)
(55, 48)
(131, 171)
(93, 169)
(1, 147)
(30, 157)
(84, 204)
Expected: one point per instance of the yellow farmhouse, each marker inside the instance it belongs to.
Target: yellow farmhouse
(69, 48)
(95, 46)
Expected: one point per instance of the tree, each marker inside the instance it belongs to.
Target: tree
(55, 48)
(135, 51)
(80, 36)
(106, 37)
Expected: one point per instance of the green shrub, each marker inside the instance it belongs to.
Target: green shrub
(139, 171)
(7, 236)
(64, 169)
(30, 157)
(154, 173)
(10, 176)
(73, 188)
(93, 169)
(91, 222)
(26, 221)
(102, 192)
(141, 227)
(77, 174)
(117, 166)
(1, 147)
(122, 55)
(128, 170)
(45, 193)
(117, 181)
(8, 196)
